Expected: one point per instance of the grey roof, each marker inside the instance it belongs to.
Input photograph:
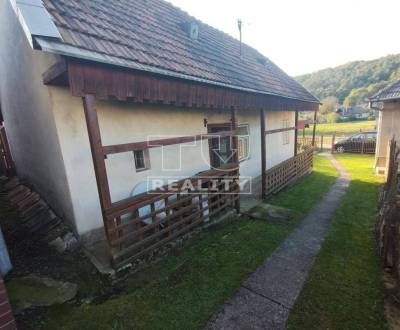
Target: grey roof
(150, 35)
(389, 93)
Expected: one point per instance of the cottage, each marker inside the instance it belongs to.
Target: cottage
(387, 101)
(99, 96)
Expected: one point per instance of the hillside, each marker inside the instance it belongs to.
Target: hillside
(351, 83)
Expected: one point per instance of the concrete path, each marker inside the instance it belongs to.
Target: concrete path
(264, 300)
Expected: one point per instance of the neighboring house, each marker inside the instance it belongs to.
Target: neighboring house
(387, 101)
(354, 112)
(152, 72)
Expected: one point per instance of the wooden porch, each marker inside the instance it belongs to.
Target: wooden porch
(138, 225)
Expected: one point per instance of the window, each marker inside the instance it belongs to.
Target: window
(285, 134)
(243, 142)
(142, 161)
(357, 137)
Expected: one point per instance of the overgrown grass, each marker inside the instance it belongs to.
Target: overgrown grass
(185, 290)
(347, 128)
(344, 289)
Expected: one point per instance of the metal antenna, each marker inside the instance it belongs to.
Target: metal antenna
(239, 22)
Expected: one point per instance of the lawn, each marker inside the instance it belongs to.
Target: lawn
(187, 288)
(347, 128)
(344, 289)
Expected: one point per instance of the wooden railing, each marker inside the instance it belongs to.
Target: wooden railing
(287, 172)
(138, 225)
(328, 142)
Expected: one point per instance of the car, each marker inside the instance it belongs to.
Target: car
(364, 142)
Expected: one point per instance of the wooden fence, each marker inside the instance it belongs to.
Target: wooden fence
(143, 223)
(327, 142)
(387, 226)
(289, 171)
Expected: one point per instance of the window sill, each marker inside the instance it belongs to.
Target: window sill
(142, 170)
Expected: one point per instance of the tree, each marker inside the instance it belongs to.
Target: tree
(332, 117)
(354, 80)
(329, 104)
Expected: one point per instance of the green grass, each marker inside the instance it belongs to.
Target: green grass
(344, 289)
(184, 290)
(347, 128)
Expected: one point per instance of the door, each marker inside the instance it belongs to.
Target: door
(220, 148)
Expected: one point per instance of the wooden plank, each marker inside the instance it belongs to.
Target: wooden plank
(96, 149)
(180, 92)
(235, 150)
(296, 124)
(56, 74)
(98, 159)
(263, 154)
(314, 128)
(119, 148)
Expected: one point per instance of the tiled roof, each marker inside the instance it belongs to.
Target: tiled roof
(150, 34)
(390, 92)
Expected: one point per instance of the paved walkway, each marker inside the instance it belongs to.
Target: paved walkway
(264, 300)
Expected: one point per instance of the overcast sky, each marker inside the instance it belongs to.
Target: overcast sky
(303, 36)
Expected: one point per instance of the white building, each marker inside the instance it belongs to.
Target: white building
(155, 73)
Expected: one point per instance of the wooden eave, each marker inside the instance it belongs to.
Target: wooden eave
(57, 74)
(107, 82)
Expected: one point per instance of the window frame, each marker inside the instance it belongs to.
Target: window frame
(244, 138)
(146, 160)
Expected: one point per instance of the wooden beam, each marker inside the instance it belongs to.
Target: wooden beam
(235, 150)
(314, 128)
(273, 131)
(56, 74)
(110, 82)
(263, 153)
(135, 146)
(99, 164)
(296, 124)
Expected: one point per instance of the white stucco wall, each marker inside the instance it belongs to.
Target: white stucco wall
(49, 140)
(388, 126)
(123, 122)
(27, 109)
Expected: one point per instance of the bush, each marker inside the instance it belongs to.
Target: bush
(332, 117)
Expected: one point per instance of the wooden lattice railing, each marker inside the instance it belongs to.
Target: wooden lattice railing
(138, 225)
(288, 171)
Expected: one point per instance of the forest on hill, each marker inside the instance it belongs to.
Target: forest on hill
(351, 83)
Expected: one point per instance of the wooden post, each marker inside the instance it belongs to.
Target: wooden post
(99, 164)
(263, 154)
(314, 128)
(322, 142)
(235, 148)
(333, 143)
(296, 123)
